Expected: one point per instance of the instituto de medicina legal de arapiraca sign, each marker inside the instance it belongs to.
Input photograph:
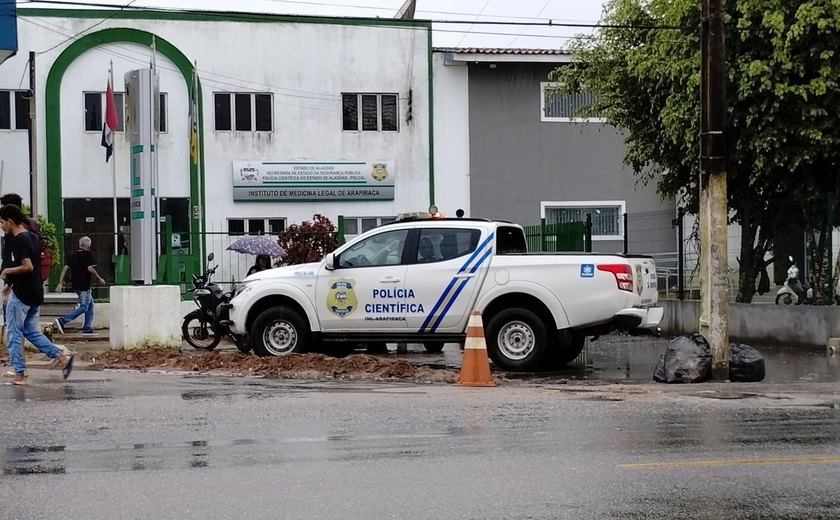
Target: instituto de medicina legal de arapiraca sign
(312, 180)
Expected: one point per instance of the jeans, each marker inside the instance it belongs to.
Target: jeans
(22, 322)
(85, 307)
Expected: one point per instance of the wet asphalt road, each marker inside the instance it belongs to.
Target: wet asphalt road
(130, 445)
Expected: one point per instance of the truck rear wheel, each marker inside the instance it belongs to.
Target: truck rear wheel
(279, 331)
(517, 340)
(433, 346)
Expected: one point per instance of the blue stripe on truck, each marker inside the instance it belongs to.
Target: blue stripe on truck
(446, 292)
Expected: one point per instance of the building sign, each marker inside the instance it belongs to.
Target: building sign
(297, 181)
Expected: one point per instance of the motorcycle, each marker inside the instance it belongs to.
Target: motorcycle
(792, 291)
(205, 327)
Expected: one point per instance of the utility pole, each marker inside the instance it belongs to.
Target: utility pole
(33, 142)
(714, 265)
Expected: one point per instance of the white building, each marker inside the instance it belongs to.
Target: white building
(321, 96)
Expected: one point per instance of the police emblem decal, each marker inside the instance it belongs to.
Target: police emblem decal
(379, 171)
(249, 174)
(341, 299)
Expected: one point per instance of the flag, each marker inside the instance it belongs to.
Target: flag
(193, 121)
(110, 123)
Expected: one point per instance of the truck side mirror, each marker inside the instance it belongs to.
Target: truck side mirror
(329, 262)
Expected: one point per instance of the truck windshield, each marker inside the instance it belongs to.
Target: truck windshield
(510, 240)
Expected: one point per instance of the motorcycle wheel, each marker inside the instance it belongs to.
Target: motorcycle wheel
(198, 332)
(784, 299)
(242, 343)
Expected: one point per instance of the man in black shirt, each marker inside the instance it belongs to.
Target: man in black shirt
(82, 267)
(30, 223)
(26, 294)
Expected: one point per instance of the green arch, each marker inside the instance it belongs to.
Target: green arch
(55, 211)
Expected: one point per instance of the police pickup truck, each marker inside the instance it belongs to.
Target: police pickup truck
(418, 281)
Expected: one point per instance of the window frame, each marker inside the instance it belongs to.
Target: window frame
(246, 225)
(119, 103)
(544, 85)
(621, 205)
(252, 98)
(360, 112)
(379, 221)
(11, 97)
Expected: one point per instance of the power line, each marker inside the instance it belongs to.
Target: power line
(536, 18)
(89, 28)
(471, 25)
(374, 21)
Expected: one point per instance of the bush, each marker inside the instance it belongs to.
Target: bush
(308, 241)
(50, 236)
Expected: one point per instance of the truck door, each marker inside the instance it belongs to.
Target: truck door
(442, 281)
(366, 289)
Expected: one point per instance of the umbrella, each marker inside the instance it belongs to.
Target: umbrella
(257, 245)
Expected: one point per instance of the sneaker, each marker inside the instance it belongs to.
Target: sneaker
(58, 325)
(88, 333)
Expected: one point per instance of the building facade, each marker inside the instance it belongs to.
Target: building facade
(530, 156)
(296, 116)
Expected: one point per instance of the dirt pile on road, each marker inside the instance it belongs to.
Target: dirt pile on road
(291, 366)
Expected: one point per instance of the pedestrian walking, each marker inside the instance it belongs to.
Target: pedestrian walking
(82, 268)
(25, 295)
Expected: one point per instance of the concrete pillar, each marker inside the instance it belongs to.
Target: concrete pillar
(145, 316)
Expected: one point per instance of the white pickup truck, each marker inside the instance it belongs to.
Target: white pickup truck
(419, 280)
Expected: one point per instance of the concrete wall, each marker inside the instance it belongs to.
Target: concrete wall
(452, 137)
(799, 326)
(517, 161)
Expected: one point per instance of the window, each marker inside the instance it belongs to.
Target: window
(380, 249)
(607, 216)
(437, 244)
(256, 226)
(21, 110)
(358, 225)
(14, 110)
(242, 112)
(375, 112)
(510, 240)
(95, 111)
(555, 105)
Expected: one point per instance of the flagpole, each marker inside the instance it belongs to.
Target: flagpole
(114, 170)
(202, 252)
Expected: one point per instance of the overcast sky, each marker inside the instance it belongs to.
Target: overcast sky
(445, 35)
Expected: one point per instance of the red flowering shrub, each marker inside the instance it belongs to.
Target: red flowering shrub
(308, 241)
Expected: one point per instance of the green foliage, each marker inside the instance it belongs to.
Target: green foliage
(49, 235)
(782, 91)
(308, 241)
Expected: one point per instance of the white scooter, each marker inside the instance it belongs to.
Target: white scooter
(793, 292)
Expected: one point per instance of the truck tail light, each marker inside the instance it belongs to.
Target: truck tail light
(623, 275)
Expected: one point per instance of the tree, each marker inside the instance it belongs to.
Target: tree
(644, 69)
(308, 241)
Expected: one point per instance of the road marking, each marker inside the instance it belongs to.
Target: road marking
(732, 462)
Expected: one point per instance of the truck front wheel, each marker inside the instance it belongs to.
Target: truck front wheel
(279, 331)
(517, 339)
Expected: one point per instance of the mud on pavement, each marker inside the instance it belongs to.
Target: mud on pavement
(290, 366)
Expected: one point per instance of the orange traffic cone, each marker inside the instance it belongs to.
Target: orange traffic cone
(475, 367)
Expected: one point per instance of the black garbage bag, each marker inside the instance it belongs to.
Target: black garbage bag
(746, 364)
(687, 359)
